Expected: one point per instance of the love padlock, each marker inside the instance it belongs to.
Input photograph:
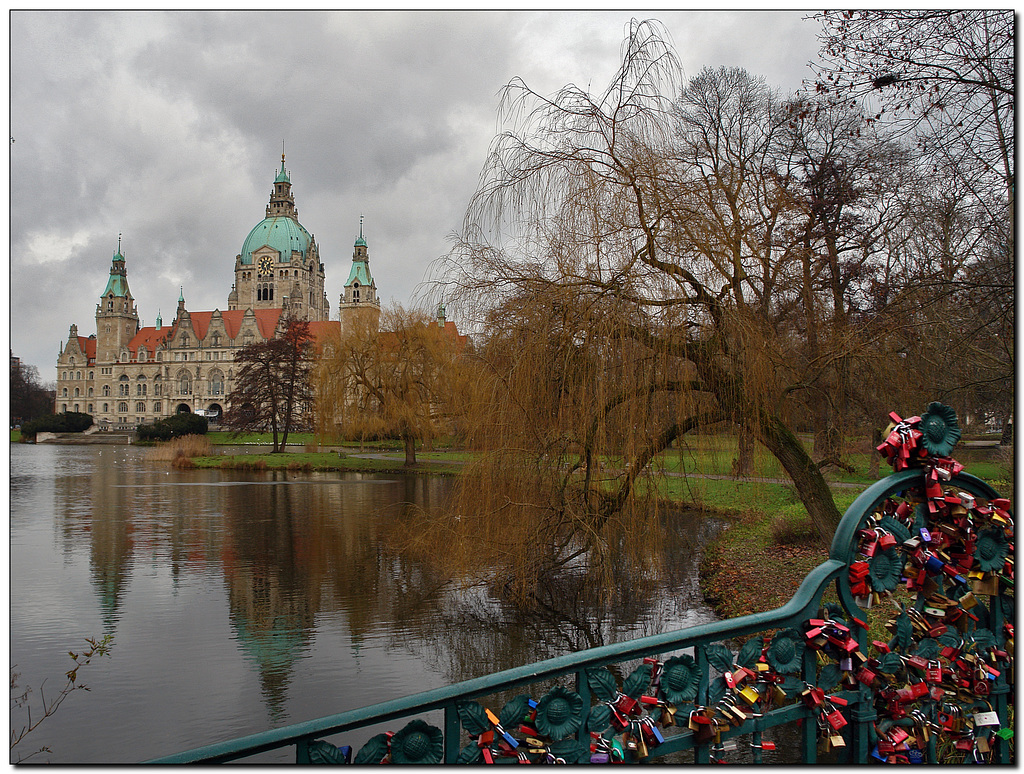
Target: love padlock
(750, 695)
(836, 719)
(508, 738)
(867, 676)
(650, 731)
(626, 705)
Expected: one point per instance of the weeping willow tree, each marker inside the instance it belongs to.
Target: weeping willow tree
(401, 379)
(621, 258)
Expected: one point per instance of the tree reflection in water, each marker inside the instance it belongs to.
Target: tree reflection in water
(482, 628)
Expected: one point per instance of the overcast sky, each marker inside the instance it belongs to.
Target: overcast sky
(167, 127)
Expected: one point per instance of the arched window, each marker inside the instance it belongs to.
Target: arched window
(140, 407)
(76, 408)
(64, 392)
(122, 407)
(216, 383)
(185, 383)
(89, 408)
(157, 384)
(90, 392)
(355, 292)
(106, 407)
(71, 360)
(77, 393)
(78, 374)
(90, 375)
(140, 386)
(184, 339)
(142, 354)
(123, 385)
(106, 390)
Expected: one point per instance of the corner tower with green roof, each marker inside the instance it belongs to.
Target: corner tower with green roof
(359, 298)
(117, 319)
(279, 266)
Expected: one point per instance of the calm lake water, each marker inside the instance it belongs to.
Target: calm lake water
(239, 602)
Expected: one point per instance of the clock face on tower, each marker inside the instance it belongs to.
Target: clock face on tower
(266, 266)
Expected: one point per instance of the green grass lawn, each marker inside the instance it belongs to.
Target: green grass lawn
(223, 437)
(322, 461)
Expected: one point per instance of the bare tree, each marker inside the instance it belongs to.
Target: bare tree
(272, 389)
(945, 78)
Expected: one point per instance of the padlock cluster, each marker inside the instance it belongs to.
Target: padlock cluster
(526, 731)
(949, 548)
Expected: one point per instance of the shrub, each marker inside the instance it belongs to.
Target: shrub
(67, 422)
(173, 427)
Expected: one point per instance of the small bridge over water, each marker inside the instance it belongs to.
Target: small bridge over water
(937, 686)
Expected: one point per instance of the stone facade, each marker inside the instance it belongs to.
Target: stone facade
(125, 374)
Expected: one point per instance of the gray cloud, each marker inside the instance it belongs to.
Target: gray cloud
(167, 127)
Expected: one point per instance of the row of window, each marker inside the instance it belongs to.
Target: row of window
(281, 273)
(122, 407)
(180, 357)
(216, 382)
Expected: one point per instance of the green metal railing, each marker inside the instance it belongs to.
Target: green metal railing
(802, 664)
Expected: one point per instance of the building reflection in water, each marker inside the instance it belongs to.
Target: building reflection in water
(296, 550)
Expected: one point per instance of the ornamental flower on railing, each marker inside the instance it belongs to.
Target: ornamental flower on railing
(785, 654)
(679, 679)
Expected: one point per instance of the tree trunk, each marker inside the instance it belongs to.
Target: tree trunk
(810, 485)
(410, 451)
(743, 464)
(875, 457)
(1006, 439)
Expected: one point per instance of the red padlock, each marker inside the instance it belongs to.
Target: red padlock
(836, 719)
(867, 676)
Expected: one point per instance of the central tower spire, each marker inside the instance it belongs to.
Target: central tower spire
(282, 203)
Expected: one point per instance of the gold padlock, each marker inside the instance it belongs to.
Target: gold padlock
(750, 695)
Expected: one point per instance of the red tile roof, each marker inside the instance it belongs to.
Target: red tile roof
(88, 345)
(452, 332)
(266, 322)
(324, 331)
(148, 338)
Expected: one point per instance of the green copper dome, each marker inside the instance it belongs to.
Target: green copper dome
(281, 233)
